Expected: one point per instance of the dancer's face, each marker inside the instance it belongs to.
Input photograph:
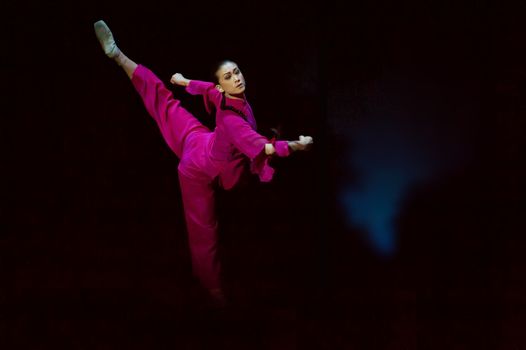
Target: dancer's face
(231, 79)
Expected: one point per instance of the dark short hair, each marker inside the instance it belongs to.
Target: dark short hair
(215, 68)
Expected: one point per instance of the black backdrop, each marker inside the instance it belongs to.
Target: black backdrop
(96, 253)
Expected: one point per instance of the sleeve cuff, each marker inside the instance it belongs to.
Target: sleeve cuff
(282, 148)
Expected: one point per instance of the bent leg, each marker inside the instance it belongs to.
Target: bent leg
(201, 222)
(175, 122)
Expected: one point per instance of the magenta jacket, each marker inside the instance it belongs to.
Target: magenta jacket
(235, 137)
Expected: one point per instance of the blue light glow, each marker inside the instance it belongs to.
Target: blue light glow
(395, 146)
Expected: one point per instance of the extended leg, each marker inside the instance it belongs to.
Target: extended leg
(174, 121)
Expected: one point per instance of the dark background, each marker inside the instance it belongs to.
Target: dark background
(400, 229)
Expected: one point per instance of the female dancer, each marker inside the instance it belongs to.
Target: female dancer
(204, 155)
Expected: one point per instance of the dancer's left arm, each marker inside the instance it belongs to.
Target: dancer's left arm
(250, 143)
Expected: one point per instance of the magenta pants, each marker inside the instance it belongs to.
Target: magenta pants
(189, 140)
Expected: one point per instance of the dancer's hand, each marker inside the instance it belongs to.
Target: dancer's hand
(303, 144)
(179, 79)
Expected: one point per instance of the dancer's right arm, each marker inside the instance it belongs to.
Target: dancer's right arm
(211, 94)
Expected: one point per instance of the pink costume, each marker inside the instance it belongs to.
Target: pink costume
(205, 155)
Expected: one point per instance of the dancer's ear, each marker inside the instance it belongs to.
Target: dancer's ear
(218, 87)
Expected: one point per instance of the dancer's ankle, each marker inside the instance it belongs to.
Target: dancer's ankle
(120, 58)
(128, 65)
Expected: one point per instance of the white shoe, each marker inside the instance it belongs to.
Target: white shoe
(106, 39)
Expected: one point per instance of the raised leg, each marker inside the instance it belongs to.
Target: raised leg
(175, 122)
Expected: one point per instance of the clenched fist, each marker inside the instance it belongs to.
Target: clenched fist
(179, 79)
(303, 144)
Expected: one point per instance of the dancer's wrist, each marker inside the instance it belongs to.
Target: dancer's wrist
(269, 149)
(293, 146)
(183, 82)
